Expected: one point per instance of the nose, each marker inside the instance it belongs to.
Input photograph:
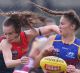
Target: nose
(59, 26)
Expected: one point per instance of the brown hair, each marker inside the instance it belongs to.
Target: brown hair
(70, 14)
(22, 19)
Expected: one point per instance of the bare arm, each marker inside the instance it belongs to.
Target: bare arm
(43, 52)
(7, 54)
(44, 30)
(72, 69)
(49, 29)
(34, 51)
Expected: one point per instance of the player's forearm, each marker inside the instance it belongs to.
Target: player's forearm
(13, 63)
(37, 60)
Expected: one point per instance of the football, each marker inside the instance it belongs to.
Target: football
(53, 64)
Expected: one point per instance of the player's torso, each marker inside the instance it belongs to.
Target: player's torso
(68, 52)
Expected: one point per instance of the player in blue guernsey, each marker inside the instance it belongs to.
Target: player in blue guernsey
(65, 44)
(67, 51)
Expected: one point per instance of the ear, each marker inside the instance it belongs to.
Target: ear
(73, 27)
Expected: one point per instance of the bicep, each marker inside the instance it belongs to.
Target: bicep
(32, 32)
(44, 30)
(49, 29)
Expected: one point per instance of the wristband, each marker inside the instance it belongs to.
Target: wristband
(40, 32)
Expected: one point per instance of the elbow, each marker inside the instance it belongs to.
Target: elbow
(7, 64)
(12, 63)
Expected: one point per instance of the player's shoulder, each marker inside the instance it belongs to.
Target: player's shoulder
(77, 41)
(5, 44)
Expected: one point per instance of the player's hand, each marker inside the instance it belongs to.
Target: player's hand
(48, 49)
(71, 69)
(24, 60)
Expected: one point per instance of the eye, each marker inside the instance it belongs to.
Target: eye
(61, 23)
(10, 33)
(5, 33)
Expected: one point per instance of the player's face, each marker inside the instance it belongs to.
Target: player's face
(65, 26)
(10, 33)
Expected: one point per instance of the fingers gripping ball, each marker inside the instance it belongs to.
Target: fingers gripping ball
(53, 64)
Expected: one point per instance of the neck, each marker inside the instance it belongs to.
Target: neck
(69, 38)
(18, 40)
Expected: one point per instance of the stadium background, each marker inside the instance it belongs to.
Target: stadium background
(21, 5)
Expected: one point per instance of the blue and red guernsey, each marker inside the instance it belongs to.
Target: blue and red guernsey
(20, 49)
(68, 52)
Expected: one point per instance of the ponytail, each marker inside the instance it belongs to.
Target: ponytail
(70, 14)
